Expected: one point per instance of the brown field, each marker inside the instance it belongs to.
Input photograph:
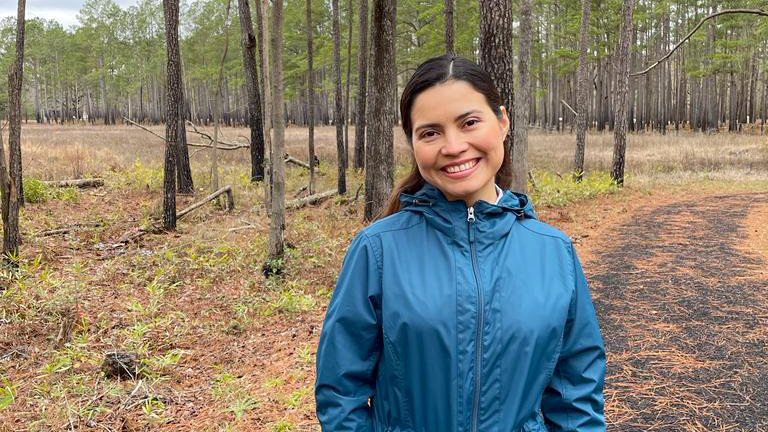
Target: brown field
(222, 348)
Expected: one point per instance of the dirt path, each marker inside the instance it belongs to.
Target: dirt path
(684, 314)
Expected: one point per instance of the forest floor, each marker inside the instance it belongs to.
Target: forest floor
(676, 261)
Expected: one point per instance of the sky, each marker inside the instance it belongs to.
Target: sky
(63, 11)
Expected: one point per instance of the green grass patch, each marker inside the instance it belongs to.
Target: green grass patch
(36, 191)
(553, 190)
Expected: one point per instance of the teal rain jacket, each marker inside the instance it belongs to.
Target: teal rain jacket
(447, 318)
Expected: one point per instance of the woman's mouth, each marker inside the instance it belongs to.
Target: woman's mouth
(461, 170)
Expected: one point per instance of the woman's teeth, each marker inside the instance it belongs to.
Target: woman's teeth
(463, 167)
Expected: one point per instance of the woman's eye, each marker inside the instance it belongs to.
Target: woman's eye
(470, 123)
(428, 134)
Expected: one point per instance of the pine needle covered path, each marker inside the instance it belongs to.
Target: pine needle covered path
(684, 314)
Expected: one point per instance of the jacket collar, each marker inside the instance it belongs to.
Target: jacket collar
(450, 217)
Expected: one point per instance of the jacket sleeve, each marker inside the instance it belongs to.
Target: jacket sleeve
(573, 401)
(350, 343)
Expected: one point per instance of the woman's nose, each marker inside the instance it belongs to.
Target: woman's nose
(453, 144)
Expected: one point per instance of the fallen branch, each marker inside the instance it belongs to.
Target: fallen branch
(67, 229)
(569, 107)
(310, 200)
(688, 36)
(293, 160)
(211, 197)
(80, 183)
(223, 145)
(154, 226)
(227, 146)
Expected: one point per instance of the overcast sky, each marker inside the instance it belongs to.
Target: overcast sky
(63, 11)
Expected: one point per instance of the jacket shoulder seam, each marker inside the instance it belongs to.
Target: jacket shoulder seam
(562, 237)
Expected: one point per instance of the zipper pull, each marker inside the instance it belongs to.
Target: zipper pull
(471, 214)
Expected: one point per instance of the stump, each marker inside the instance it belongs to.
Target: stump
(119, 364)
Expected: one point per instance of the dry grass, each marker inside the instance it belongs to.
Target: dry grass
(225, 349)
(75, 151)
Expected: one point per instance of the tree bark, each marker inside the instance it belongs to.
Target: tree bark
(217, 117)
(255, 121)
(277, 226)
(12, 187)
(311, 97)
(267, 105)
(362, 86)
(620, 108)
(448, 9)
(582, 86)
(338, 118)
(183, 168)
(349, 83)
(379, 156)
(173, 100)
(496, 48)
(522, 104)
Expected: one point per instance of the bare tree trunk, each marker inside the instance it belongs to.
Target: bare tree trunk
(522, 104)
(582, 86)
(267, 106)
(183, 168)
(349, 82)
(255, 112)
(379, 156)
(277, 226)
(311, 97)
(448, 9)
(362, 86)
(171, 10)
(217, 106)
(496, 48)
(338, 119)
(13, 190)
(620, 106)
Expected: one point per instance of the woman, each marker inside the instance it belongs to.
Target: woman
(459, 311)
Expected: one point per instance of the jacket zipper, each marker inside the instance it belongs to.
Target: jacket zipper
(478, 334)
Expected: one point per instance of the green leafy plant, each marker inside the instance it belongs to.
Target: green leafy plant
(7, 394)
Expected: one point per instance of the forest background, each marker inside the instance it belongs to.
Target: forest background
(219, 340)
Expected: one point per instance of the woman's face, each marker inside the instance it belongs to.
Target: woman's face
(458, 141)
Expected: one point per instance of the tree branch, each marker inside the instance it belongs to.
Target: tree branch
(688, 36)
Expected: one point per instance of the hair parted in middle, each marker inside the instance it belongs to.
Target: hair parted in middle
(433, 72)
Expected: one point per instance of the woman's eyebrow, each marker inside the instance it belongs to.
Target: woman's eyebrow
(457, 119)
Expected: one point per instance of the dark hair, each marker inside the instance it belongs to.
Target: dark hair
(433, 72)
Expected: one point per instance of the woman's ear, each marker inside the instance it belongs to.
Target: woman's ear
(504, 120)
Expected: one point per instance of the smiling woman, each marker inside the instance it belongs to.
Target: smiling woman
(459, 311)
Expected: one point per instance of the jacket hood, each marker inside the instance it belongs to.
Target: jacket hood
(450, 217)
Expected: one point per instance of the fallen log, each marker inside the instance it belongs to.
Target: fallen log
(154, 226)
(310, 200)
(225, 190)
(80, 183)
(293, 160)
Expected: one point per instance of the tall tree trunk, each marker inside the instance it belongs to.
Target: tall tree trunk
(379, 155)
(620, 107)
(12, 190)
(339, 109)
(217, 117)
(183, 168)
(263, 33)
(311, 97)
(582, 86)
(349, 82)
(276, 245)
(362, 86)
(522, 104)
(173, 100)
(255, 122)
(448, 9)
(496, 47)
